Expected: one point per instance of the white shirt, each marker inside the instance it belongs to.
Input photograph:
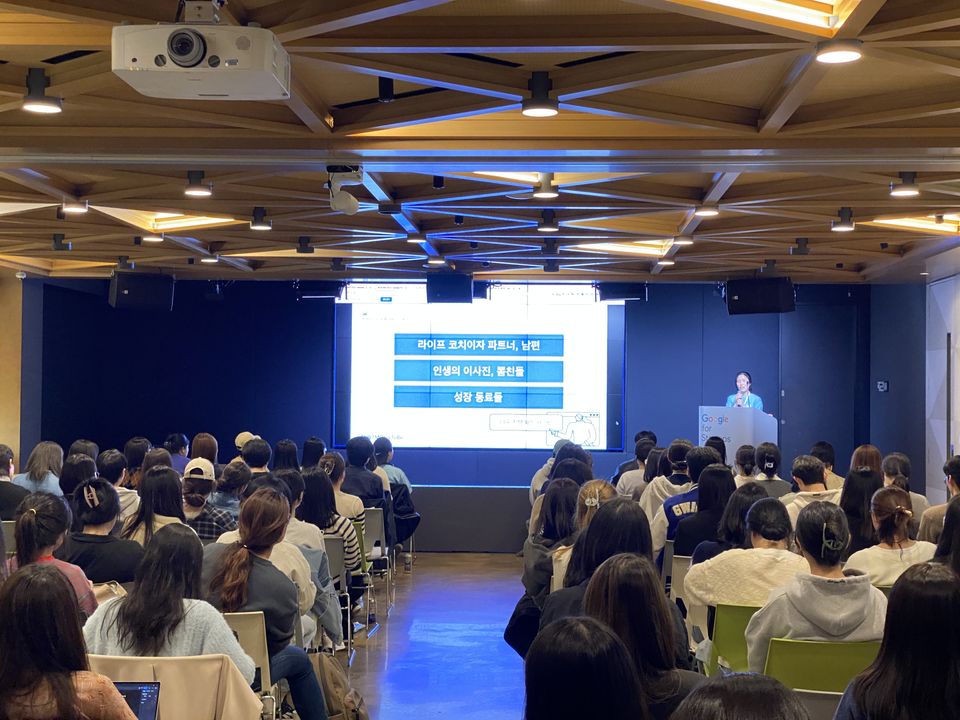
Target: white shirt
(885, 565)
(350, 506)
(742, 577)
(304, 533)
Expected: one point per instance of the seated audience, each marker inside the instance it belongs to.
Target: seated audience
(824, 452)
(42, 523)
(858, 490)
(208, 521)
(578, 668)
(572, 469)
(233, 480)
(634, 463)
(745, 464)
(256, 453)
(319, 508)
(374, 467)
(299, 532)
(866, 456)
(741, 696)
(557, 528)
(155, 457)
(767, 460)
(948, 546)
(10, 494)
(135, 449)
(286, 456)
(591, 496)
(731, 531)
(682, 505)
(828, 604)
(112, 467)
(810, 476)
(83, 447)
(350, 506)
(102, 556)
(44, 671)
(205, 446)
(240, 577)
(42, 471)
(161, 503)
(663, 487)
(164, 615)
(886, 561)
(178, 446)
(714, 489)
(626, 594)
(358, 479)
(896, 471)
(76, 469)
(631, 483)
(717, 443)
(746, 577)
(931, 524)
(383, 449)
(242, 439)
(313, 449)
(916, 675)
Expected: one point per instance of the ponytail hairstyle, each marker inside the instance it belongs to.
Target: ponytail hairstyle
(160, 494)
(332, 464)
(897, 466)
(196, 489)
(262, 523)
(746, 459)
(768, 459)
(42, 520)
(677, 454)
(591, 496)
(95, 502)
(823, 533)
(892, 510)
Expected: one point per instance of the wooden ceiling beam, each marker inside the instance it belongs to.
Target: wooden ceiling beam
(103, 12)
(40, 183)
(75, 36)
(684, 112)
(918, 59)
(938, 15)
(446, 105)
(343, 14)
(312, 112)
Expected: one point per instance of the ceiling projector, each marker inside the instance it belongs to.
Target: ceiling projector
(201, 62)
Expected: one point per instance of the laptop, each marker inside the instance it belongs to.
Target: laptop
(142, 697)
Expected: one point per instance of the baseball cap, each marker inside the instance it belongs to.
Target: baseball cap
(382, 446)
(243, 438)
(200, 468)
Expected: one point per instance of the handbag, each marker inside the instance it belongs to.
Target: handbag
(343, 702)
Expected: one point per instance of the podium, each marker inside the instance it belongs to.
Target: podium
(737, 426)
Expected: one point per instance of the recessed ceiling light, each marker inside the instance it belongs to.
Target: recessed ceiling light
(683, 240)
(416, 238)
(707, 211)
(152, 237)
(666, 263)
(540, 104)
(436, 260)
(36, 100)
(195, 185)
(74, 207)
(907, 187)
(548, 222)
(545, 189)
(210, 259)
(259, 221)
(837, 52)
(845, 223)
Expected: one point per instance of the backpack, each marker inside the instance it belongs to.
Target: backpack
(343, 702)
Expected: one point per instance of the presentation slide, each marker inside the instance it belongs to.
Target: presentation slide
(521, 369)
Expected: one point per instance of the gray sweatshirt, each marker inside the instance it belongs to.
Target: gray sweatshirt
(816, 608)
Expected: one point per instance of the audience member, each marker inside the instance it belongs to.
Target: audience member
(256, 454)
(810, 476)
(208, 521)
(858, 490)
(731, 531)
(350, 506)
(319, 508)
(83, 447)
(866, 456)
(571, 451)
(948, 546)
(384, 453)
(717, 443)
(155, 457)
(374, 467)
(578, 668)
(313, 449)
(663, 487)
(44, 671)
(77, 468)
(42, 471)
(931, 524)
(745, 464)
(767, 461)
(242, 439)
(824, 452)
(626, 594)
(10, 494)
(102, 556)
(240, 577)
(828, 604)
(634, 463)
(161, 503)
(885, 562)
(714, 489)
(557, 528)
(896, 471)
(205, 446)
(286, 455)
(683, 505)
(746, 577)
(164, 615)
(631, 483)
(917, 672)
(299, 532)
(358, 480)
(135, 449)
(178, 446)
(232, 481)
(42, 523)
(741, 696)
(652, 469)
(591, 496)
(112, 467)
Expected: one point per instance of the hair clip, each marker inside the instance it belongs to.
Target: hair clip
(592, 501)
(829, 543)
(32, 510)
(90, 497)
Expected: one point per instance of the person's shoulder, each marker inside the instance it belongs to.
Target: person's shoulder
(201, 612)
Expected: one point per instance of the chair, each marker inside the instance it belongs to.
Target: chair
(369, 596)
(382, 563)
(817, 665)
(679, 567)
(336, 558)
(820, 705)
(251, 633)
(729, 644)
(9, 537)
(667, 565)
(203, 687)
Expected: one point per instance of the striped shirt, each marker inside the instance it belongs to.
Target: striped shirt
(351, 548)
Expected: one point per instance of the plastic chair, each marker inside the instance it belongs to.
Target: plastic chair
(251, 632)
(820, 705)
(369, 596)
(817, 665)
(382, 562)
(667, 565)
(9, 537)
(729, 644)
(678, 572)
(336, 558)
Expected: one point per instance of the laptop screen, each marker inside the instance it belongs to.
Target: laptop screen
(142, 697)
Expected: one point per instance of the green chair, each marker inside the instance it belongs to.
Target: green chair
(729, 645)
(816, 665)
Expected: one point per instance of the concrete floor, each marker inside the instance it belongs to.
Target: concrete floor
(441, 652)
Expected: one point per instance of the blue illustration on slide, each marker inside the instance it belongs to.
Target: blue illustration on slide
(496, 371)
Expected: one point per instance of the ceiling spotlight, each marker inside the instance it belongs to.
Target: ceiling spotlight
(59, 244)
(548, 222)
(938, 218)
(907, 187)
(837, 52)
(551, 265)
(485, 263)
(458, 219)
(153, 237)
(195, 185)
(74, 207)
(924, 274)
(36, 100)
(545, 189)
(769, 266)
(303, 245)
(474, 244)
(663, 262)
(845, 223)
(385, 90)
(708, 210)
(550, 246)
(125, 263)
(539, 104)
(210, 259)
(137, 240)
(802, 247)
(436, 261)
(416, 238)
(337, 265)
(260, 221)
(683, 240)
(439, 181)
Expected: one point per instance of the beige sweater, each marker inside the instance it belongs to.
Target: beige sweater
(742, 577)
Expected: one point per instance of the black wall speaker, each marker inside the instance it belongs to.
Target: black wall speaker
(773, 295)
(449, 288)
(134, 291)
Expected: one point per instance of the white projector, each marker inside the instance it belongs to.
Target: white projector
(202, 62)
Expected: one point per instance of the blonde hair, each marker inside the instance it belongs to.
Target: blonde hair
(591, 496)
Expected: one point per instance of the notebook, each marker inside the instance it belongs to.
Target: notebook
(142, 697)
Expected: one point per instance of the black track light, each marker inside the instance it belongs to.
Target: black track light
(59, 245)
(439, 182)
(385, 90)
(337, 265)
(303, 245)
(458, 220)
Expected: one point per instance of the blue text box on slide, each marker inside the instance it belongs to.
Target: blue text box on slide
(450, 344)
(426, 396)
(495, 371)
